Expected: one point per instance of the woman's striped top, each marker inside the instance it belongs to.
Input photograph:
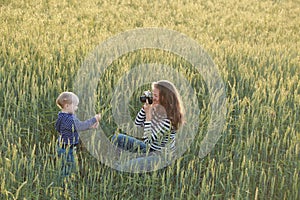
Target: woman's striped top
(158, 132)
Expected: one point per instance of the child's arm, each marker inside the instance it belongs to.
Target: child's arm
(95, 125)
(85, 125)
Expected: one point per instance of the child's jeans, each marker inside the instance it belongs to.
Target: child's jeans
(67, 159)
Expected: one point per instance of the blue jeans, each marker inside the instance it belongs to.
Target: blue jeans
(67, 160)
(148, 162)
(129, 143)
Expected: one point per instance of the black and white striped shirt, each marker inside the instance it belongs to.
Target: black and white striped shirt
(158, 132)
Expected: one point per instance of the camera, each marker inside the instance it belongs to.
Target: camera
(146, 95)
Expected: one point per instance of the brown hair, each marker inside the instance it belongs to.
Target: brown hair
(66, 98)
(169, 98)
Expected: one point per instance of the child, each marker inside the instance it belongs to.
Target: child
(68, 126)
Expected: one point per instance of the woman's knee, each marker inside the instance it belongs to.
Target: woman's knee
(118, 138)
(113, 138)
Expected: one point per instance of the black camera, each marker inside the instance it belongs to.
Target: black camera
(145, 96)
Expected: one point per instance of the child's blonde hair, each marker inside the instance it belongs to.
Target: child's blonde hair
(66, 98)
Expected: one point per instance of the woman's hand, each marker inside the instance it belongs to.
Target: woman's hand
(148, 108)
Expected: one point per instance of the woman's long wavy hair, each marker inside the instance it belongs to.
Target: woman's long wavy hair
(170, 99)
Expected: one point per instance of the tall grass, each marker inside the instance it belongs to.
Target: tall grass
(255, 46)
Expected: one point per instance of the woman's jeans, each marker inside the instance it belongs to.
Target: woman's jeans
(141, 162)
(129, 143)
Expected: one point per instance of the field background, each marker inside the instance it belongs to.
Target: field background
(254, 44)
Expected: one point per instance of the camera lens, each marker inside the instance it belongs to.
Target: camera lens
(143, 99)
(145, 96)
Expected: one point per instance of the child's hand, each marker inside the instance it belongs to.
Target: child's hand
(98, 117)
(95, 125)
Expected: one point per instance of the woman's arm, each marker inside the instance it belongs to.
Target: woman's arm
(140, 118)
(157, 133)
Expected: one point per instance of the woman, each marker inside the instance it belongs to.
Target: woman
(160, 121)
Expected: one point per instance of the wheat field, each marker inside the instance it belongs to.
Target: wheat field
(255, 46)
